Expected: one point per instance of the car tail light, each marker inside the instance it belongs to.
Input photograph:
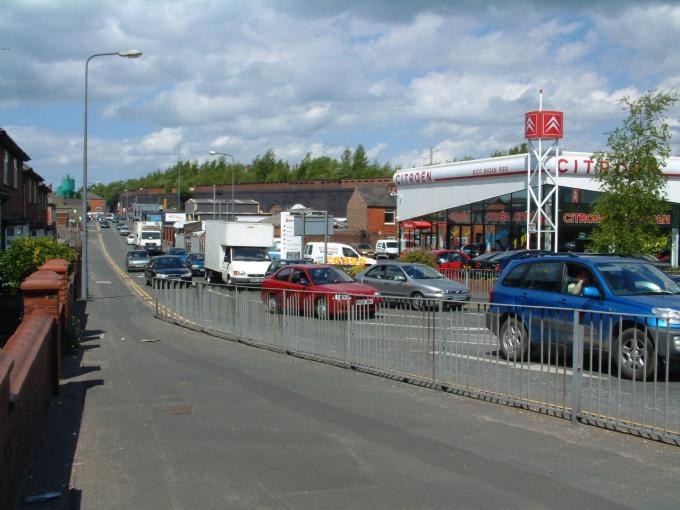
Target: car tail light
(497, 267)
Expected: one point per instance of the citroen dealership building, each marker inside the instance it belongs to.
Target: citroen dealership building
(485, 201)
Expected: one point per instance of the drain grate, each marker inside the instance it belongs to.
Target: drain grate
(179, 409)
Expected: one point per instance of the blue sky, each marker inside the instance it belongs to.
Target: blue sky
(309, 76)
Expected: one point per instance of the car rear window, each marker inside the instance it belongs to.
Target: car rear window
(515, 277)
(547, 276)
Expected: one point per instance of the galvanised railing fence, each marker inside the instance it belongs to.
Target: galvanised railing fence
(611, 370)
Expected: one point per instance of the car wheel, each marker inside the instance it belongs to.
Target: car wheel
(272, 304)
(208, 276)
(417, 301)
(321, 307)
(635, 355)
(148, 282)
(513, 339)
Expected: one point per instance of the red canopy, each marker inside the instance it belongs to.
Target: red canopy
(410, 225)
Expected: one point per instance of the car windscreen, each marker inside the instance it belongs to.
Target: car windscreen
(151, 235)
(168, 263)
(248, 253)
(328, 275)
(421, 272)
(197, 257)
(392, 244)
(636, 279)
(139, 255)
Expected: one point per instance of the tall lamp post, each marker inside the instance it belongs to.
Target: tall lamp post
(233, 169)
(126, 54)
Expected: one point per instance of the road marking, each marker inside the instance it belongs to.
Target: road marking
(102, 281)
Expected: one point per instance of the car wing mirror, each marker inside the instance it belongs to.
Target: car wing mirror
(400, 278)
(591, 292)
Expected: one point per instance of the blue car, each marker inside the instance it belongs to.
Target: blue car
(179, 252)
(626, 307)
(196, 262)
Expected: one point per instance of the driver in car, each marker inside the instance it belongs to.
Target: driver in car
(582, 280)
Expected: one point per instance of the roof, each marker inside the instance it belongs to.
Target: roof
(222, 200)
(10, 144)
(94, 196)
(377, 196)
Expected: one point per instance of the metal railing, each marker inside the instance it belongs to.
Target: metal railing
(479, 281)
(608, 369)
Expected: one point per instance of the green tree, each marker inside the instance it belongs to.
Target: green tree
(346, 162)
(629, 173)
(359, 161)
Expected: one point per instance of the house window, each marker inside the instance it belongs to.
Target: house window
(16, 173)
(9, 232)
(389, 217)
(5, 168)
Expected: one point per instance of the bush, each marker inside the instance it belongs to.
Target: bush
(26, 255)
(420, 256)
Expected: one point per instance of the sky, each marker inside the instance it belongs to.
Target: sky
(317, 76)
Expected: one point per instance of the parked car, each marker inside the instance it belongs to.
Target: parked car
(386, 249)
(647, 299)
(502, 258)
(179, 252)
(136, 260)
(123, 230)
(166, 266)
(366, 250)
(473, 250)
(195, 262)
(279, 263)
(131, 239)
(451, 259)
(423, 284)
(483, 261)
(322, 289)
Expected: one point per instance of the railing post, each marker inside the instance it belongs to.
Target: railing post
(577, 368)
(440, 342)
(348, 348)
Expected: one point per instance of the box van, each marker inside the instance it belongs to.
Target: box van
(338, 254)
(386, 249)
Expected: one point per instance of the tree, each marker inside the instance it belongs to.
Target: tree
(632, 185)
(359, 161)
(346, 162)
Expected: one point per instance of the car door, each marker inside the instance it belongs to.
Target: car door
(297, 297)
(396, 282)
(375, 277)
(541, 298)
(592, 321)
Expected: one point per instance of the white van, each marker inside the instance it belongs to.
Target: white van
(338, 254)
(386, 249)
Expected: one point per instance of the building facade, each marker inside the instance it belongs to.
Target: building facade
(23, 195)
(485, 201)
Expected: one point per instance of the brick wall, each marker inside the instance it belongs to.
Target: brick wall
(97, 205)
(376, 223)
(29, 370)
(356, 212)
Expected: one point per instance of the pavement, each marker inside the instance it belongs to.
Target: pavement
(155, 416)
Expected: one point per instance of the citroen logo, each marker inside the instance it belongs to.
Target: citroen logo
(530, 127)
(553, 124)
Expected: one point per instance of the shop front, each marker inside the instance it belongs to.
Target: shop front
(485, 202)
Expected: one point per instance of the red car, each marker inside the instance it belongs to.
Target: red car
(451, 259)
(323, 290)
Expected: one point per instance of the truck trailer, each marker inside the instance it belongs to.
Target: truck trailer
(237, 252)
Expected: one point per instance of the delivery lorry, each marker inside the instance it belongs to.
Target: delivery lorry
(148, 236)
(237, 252)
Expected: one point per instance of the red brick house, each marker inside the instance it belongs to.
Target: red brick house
(95, 203)
(371, 211)
(22, 193)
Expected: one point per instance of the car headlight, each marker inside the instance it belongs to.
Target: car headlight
(239, 273)
(342, 297)
(673, 316)
(161, 275)
(376, 293)
(194, 266)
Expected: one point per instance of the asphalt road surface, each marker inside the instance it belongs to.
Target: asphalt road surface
(155, 416)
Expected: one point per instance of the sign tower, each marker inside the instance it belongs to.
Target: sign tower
(543, 130)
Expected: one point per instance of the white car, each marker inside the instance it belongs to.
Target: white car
(131, 239)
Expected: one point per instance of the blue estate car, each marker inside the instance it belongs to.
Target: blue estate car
(627, 307)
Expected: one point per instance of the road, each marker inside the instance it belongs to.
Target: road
(159, 417)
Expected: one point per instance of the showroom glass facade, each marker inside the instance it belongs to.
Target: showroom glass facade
(500, 223)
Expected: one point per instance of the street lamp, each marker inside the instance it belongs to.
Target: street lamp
(233, 169)
(126, 54)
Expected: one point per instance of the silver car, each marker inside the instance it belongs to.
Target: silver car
(136, 260)
(419, 282)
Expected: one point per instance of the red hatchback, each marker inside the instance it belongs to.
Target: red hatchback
(322, 290)
(451, 259)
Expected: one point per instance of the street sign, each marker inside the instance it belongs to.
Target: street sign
(313, 225)
(532, 228)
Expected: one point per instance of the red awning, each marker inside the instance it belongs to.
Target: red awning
(410, 225)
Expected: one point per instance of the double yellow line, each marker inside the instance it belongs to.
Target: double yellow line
(136, 289)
